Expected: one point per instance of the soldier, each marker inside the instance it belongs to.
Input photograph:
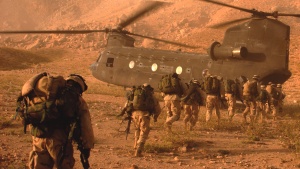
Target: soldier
(172, 89)
(52, 137)
(212, 88)
(273, 100)
(231, 92)
(191, 103)
(145, 105)
(250, 92)
(280, 99)
(262, 100)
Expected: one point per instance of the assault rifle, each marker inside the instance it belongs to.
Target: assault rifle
(128, 110)
(84, 160)
(62, 152)
(128, 125)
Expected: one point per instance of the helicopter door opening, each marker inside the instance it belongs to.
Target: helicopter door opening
(110, 62)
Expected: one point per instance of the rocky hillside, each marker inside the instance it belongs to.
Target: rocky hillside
(185, 21)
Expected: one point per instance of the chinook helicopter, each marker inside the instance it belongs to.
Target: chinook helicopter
(260, 45)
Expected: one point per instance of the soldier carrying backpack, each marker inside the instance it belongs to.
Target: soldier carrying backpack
(262, 100)
(57, 114)
(142, 105)
(192, 100)
(172, 89)
(250, 93)
(212, 88)
(231, 93)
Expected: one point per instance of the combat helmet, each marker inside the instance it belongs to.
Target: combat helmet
(147, 86)
(263, 86)
(279, 86)
(79, 80)
(256, 77)
(205, 73)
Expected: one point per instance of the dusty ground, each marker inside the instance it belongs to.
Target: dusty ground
(208, 147)
(215, 147)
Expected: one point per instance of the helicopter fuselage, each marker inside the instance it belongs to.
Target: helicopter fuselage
(259, 46)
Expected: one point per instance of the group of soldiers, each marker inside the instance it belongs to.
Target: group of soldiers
(261, 101)
(57, 114)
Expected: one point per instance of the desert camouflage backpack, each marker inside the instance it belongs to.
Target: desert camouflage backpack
(170, 84)
(230, 86)
(250, 89)
(143, 99)
(42, 101)
(212, 85)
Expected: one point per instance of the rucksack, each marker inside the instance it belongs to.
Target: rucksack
(212, 85)
(143, 99)
(250, 89)
(230, 86)
(275, 94)
(42, 100)
(169, 84)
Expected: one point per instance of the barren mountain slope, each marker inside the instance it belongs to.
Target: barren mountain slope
(185, 21)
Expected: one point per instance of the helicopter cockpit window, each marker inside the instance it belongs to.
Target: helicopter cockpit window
(131, 64)
(110, 62)
(154, 67)
(179, 70)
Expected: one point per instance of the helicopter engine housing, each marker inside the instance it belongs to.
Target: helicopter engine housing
(217, 51)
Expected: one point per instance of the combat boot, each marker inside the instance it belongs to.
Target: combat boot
(168, 127)
(186, 126)
(138, 151)
(245, 118)
(252, 119)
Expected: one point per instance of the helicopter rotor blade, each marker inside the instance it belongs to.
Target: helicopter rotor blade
(276, 14)
(150, 6)
(165, 41)
(52, 31)
(253, 11)
(224, 24)
(230, 6)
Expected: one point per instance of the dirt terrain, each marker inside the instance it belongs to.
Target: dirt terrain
(229, 145)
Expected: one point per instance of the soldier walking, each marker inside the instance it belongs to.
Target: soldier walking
(141, 105)
(212, 88)
(250, 93)
(67, 119)
(191, 104)
(172, 89)
(231, 92)
(262, 101)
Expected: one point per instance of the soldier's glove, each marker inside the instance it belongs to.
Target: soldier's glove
(86, 152)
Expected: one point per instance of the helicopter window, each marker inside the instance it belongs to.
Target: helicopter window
(188, 70)
(179, 70)
(110, 62)
(154, 67)
(131, 64)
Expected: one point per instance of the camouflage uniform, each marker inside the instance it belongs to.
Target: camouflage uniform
(262, 99)
(280, 99)
(191, 104)
(230, 97)
(141, 121)
(213, 101)
(46, 151)
(172, 104)
(249, 99)
(273, 101)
